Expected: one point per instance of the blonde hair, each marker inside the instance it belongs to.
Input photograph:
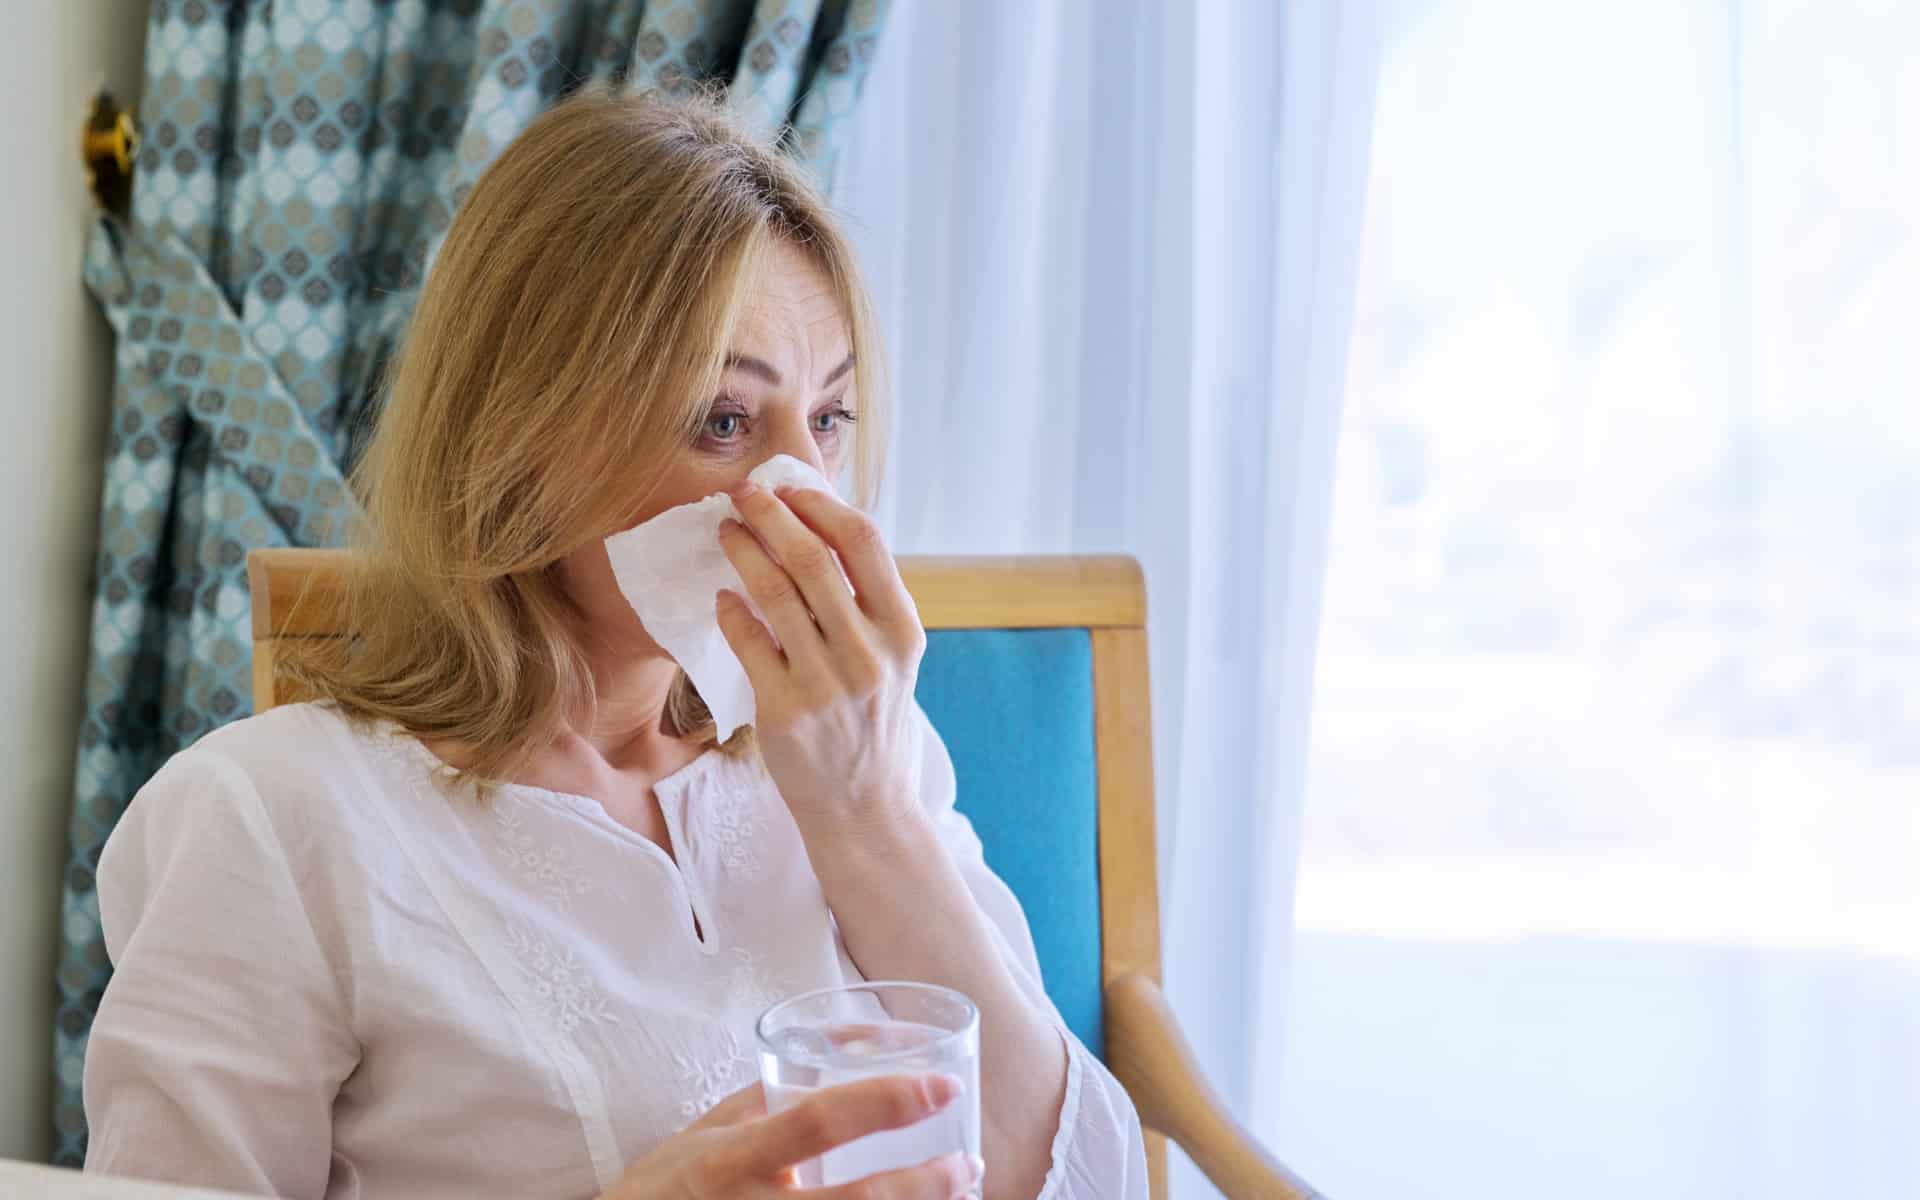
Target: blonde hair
(570, 334)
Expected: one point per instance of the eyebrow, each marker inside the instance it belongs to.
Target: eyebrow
(760, 369)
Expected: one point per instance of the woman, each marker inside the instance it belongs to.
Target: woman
(495, 916)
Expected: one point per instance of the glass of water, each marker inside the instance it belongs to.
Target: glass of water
(842, 1034)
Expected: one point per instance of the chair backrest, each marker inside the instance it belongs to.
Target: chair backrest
(1036, 677)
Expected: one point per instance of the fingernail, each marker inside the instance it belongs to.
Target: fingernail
(743, 489)
(729, 525)
(976, 1169)
(944, 1089)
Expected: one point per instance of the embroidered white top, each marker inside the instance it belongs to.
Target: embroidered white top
(338, 975)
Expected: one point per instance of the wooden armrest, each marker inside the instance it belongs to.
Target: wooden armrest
(1150, 1056)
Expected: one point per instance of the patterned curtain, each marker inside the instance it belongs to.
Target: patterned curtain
(301, 160)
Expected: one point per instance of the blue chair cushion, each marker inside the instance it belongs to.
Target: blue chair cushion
(1015, 708)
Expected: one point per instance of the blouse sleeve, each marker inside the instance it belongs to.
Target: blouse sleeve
(222, 1038)
(1098, 1153)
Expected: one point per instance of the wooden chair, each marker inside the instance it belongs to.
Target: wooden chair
(1036, 677)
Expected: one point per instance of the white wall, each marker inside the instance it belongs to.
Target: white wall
(55, 357)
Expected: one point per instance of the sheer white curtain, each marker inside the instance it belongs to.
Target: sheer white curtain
(1610, 877)
(1113, 243)
(1611, 882)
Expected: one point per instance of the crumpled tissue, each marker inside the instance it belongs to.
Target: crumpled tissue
(670, 569)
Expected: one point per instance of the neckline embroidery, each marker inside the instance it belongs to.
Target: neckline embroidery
(545, 867)
(732, 819)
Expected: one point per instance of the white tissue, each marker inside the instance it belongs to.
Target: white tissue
(671, 568)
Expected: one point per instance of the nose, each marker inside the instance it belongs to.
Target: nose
(796, 438)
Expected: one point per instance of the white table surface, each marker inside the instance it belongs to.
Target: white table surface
(35, 1181)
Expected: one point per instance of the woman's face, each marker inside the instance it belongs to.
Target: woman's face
(787, 389)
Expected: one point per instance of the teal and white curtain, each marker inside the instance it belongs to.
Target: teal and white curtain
(301, 158)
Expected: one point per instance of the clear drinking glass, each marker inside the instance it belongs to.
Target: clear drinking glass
(842, 1034)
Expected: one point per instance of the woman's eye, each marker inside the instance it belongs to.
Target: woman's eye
(724, 427)
(829, 420)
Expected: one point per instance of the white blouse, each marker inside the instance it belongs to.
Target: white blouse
(338, 975)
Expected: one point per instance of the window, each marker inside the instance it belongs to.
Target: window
(1612, 866)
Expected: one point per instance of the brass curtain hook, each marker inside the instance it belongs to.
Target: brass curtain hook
(108, 143)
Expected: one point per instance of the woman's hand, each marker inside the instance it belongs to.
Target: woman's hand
(833, 680)
(833, 691)
(737, 1152)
